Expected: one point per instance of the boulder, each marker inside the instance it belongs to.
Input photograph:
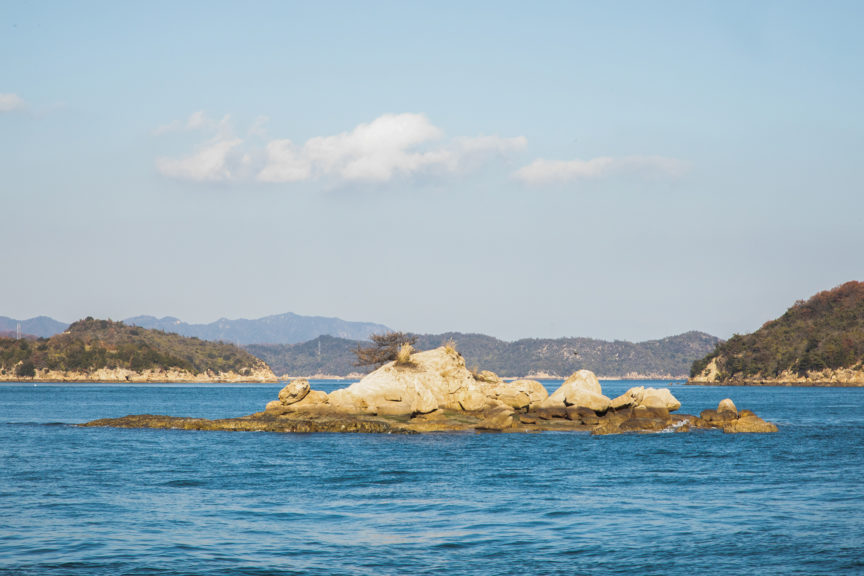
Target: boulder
(586, 399)
(517, 401)
(649, 397)
(435, 379)
(295, 391)
(726, 405)
(472, 400)
(583, 379)
(518, 394)
(581, 389)
(660, 398)
(630, 399)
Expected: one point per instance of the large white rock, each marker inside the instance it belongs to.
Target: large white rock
(580, 389)
(435, 379)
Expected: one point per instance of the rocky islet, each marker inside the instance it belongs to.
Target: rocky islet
(435, 392)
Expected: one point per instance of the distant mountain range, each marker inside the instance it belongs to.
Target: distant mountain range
(278, 329)
(41, 326)
(667, 357)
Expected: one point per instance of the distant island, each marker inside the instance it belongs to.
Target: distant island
(285, 328)
(104, 351)
(666, 358)
(819, 342)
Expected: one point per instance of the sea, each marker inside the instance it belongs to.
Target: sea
(103, 501)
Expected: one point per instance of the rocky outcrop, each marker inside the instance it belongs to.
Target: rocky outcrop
(435, 392)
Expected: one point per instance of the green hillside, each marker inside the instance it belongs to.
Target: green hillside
(825, 332)
(90, 345)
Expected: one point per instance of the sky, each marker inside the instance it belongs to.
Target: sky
(617, 170)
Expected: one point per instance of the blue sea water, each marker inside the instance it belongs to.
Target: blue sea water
(93, 501)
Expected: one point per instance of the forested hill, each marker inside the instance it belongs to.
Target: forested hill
(820, 340)
(666, 357)
(122, 352)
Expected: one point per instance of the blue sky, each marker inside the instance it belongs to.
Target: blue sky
(618, 170)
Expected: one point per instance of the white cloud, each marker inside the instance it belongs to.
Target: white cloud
(10, 102)
(374, 152)
(210, 163)
(554, 171)
(389, 147)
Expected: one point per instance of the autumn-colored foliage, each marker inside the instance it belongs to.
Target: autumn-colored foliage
(826, 331)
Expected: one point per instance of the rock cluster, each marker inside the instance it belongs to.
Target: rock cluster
(434, 391)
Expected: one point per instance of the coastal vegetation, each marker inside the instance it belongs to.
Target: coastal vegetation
(385, 347)
(89, 345)
(820, 336)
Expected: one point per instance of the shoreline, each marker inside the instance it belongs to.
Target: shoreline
(784, 384)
